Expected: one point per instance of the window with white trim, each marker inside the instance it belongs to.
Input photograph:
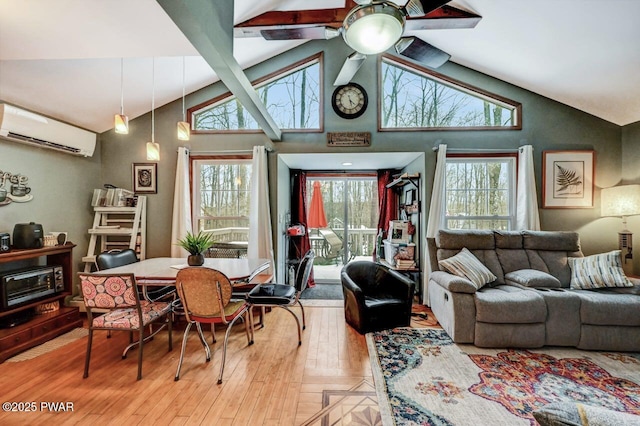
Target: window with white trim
(480, 192)
(221, 195)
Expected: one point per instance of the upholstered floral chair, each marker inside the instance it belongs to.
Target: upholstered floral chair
(118, 295)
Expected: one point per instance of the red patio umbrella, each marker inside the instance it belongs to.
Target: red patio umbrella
(317, 218)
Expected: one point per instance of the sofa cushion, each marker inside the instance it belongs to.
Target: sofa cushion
(508, 304)
(551, 240)
(597, 271)
(577, 414)
(465, 264)
(532, 278)
(472, 239)
(604, 307)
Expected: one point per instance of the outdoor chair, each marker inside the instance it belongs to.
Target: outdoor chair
(227, 250)
(283, 295)
(118, 295)
(335, 247)
(375, 296)
(206, 298)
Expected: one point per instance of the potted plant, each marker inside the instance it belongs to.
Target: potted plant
(196, 246)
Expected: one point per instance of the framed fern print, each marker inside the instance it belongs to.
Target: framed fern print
(567, 179)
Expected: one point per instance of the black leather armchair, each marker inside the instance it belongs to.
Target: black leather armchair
(375, 297)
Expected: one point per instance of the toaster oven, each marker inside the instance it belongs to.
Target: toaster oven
(29, 284)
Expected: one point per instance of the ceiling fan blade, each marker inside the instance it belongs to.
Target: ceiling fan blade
(421, 51)
(350, 67)
(444, 18)
(415, 8)
(301, 33)
(361, 2)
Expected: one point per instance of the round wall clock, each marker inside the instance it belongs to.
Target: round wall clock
(349, 100)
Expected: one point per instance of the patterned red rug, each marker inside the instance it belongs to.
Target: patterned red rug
(423, 378)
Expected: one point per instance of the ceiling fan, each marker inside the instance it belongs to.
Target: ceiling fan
(367, 26)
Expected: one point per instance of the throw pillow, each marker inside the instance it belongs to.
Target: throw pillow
(598, 271)
(576, 414)
(466, 265)
(532, 278)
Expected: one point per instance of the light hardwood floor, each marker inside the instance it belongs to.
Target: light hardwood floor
(273, 382)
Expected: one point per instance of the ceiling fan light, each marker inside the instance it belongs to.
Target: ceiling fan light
(184, 131)
(121, 124)
(373, 28)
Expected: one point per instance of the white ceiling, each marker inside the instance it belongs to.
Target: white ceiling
(351, 161)
(62, 58)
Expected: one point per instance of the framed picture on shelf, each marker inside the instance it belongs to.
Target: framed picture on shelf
(145, 180)
(567, 179)
(399, 231)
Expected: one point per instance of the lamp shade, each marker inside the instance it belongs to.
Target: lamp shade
(184, 131)
(374, 28)
(623, 200)
(153, 151)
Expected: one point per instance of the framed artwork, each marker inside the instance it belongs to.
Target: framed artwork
(145, 180)
(567, 179)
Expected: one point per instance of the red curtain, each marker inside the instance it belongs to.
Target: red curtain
(298, 246)
(387, 202)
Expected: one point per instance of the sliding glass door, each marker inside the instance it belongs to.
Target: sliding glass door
(342, 218)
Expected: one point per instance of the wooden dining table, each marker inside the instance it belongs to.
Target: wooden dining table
(165, 269)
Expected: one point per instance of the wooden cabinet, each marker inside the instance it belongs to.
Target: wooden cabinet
(41, 327)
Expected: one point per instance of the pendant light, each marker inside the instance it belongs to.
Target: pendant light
(121, 121)
(184, 130)
(153, 148)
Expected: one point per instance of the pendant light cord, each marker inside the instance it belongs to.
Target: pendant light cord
(121, 86)
(184, 112)
(153, 99)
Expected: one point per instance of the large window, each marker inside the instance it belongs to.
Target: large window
(292, 98)
(414, 98)
(221, 192)
(480, 192)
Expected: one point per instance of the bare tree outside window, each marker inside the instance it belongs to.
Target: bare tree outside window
(480, 193)
(293, 100)
(412, 99)
(221, 197)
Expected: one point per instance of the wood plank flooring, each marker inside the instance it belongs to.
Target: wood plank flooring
(273, 382)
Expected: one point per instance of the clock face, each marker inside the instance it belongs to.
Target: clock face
(349, 100)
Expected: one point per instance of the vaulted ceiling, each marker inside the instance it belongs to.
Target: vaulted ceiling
(62, 58)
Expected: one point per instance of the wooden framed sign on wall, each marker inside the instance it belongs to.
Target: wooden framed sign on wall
(145, 178)
(568, 179)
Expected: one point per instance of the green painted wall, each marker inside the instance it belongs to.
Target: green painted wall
(547, 125)
(62, 186)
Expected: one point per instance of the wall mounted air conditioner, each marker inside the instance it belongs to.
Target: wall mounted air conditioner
(27, 127)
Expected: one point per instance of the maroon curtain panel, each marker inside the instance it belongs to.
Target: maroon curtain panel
(299, 246)
(387, 203)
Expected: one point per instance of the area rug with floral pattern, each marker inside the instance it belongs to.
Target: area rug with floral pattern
(423, 378)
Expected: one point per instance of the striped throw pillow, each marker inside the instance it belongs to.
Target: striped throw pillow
(466, 265)
(598, 271)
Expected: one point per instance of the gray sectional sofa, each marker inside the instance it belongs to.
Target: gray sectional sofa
(529, 304)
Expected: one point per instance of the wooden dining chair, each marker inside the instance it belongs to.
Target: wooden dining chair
(284, 295)
(118, 296)
(206, 298)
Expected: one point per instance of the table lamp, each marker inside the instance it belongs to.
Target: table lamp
(622, 201)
